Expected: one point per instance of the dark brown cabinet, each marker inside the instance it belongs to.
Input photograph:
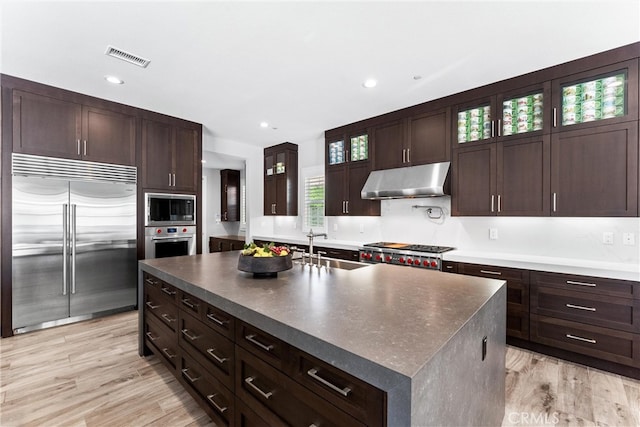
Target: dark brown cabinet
(505, 178)
(230, 195)
(281, 179)
(517, 294)
(587, 315)
(243, 376)
(415, 140)
(47, 126)
(225, 243)
(595, 171)
(170, 156)
(346, 170)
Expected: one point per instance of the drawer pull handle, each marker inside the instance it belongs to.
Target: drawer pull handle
(185, 372)
(151, 306)
(218, 407)
(189, 304)
(249, 381)
(571, 282)
(495, 273)
(581, 307)
(210, 316)
(219, 359)
(186, 333)
(150, 281)
(252, 339)
(168, 291)
(313, 373)
(150, 336)
(575, 337)
(166, 317)
(167, 353)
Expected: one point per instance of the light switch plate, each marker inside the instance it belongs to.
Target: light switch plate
(607, 238)
(628, 239)
(493, 234)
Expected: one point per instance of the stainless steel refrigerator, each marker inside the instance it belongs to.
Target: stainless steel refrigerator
(74, 241)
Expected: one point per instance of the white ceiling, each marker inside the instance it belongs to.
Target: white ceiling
(298, 64)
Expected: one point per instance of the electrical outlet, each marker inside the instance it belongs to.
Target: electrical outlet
(628, 239)
(335, 227)
(493, 233)
(607, 238)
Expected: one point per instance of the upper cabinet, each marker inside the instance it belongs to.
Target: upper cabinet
(414, 140)
(347, 167)
(48, 126)
(230, 195)
(170, 156)
(281, 179)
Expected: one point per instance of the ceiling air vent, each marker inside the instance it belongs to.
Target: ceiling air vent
(126, 56)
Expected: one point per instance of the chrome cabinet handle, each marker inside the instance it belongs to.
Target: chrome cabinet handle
(150, 281)
(313, 373)
(189, 304)
(216, 320)
(408, 155)
(166, 317)
(169, 180)
(84, 147)
(493, 128)
(499, 197)
(218, 359)
(151, 306)
(73, 248)
(499, 127)
(185, 372)
(404, 155)
(581, 307)
(492, 200)
(555, 117)
(168, 291)
(78, 146)
(218, 407)
(168, 354)
(249, 381)
(191, 337)
(150, 336)
(591, 285)
(495, 273)
(251, 339)
(347, 205)
(575, 337)
(555, 202)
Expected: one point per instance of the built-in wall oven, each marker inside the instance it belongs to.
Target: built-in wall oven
(170, 225)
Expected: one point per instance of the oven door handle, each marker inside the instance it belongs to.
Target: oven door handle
(171, 239)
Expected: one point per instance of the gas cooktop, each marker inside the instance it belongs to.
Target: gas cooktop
(410, 247)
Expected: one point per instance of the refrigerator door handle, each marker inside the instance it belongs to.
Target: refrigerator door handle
(73, 248)
(65, 246)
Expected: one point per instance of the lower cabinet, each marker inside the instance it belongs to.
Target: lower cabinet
(225, 244)
(243, 376)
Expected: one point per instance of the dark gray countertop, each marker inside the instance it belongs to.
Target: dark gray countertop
(391, 316)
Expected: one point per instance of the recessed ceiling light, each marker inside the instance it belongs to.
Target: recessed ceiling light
(114, 80)
(264, 124)
(369, 83)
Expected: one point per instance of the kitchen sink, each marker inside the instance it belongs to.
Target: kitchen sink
(337, 263)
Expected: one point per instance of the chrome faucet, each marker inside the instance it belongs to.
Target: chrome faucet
(311, 235)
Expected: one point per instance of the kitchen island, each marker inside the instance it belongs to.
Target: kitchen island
(432, 343)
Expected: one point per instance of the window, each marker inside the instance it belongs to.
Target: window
(314, 201)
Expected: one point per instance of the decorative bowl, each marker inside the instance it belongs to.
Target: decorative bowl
(264, 266)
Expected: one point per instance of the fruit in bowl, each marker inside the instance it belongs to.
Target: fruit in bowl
(265, 251)
(266, 260)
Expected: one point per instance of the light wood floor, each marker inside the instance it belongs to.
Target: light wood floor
(90, 374)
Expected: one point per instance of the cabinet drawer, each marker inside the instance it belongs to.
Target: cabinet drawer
(190, 304)
(517, 323)
(594, 285)
(161, 340)
(161, 307)
(338, 253)
(604, 343)
(246, 417)
(263, 345)
(517, 281)
(281, 401)
(218, 400)
(219, 321)
(167, 291)
(209, 348)
(358, 398)
(594, 309)
(449, 266)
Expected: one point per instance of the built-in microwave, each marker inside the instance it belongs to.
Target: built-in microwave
(169, 209)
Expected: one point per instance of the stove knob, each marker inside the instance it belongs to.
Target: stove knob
(416, 262)
(363, 255)
(184, 230)
(434, 264)
(425, 263)
(388, 258)
(369, 256)
(378, 257)
(159, 231)
(401, 259)
(409, 261)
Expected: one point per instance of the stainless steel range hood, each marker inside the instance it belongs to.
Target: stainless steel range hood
(429, 180)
